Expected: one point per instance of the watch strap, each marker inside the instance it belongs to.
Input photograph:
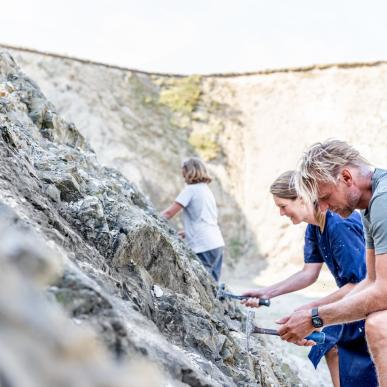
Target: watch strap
(315, 312)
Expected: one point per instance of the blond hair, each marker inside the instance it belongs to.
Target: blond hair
(195, 171)
(322, 163)
(284, 187)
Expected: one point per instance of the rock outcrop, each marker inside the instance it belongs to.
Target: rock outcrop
(96, 288)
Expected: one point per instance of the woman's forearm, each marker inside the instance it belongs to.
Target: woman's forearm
(297, 281)
(359, 287)
(172, 210)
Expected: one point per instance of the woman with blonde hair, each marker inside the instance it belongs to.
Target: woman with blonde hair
(339, 243)
(200, 216)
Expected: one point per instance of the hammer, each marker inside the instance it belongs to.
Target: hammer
(222, 294)
(317, 337)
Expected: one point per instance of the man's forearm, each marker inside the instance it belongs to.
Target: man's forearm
(354, 307)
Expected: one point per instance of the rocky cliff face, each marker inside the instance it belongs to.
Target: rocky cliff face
(250, 127)
(96, 288)
(144, 125)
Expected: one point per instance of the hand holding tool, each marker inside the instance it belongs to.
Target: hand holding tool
(222, 294)
(317, 337)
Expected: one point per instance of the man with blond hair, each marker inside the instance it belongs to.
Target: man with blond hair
(335, 176)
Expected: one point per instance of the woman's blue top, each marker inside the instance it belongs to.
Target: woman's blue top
(341, 246)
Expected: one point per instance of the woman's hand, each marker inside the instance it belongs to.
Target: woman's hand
(255, 295)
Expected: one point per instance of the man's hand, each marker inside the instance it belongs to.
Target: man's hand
(255, 295)
(296, 326)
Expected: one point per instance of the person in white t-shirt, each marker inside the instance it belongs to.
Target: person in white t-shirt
(200, 216)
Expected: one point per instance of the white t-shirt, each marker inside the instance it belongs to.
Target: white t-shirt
(200, 218)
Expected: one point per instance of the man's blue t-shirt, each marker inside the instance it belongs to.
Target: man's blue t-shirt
(341, 246)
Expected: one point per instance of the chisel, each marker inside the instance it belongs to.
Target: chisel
(250, 328)
(317, 337)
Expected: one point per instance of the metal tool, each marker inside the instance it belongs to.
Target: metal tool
(222, 294)
(249, 328)
(317, 337)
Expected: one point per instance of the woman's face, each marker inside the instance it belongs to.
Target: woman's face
(293, 209)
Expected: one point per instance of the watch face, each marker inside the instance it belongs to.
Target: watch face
(317, 322)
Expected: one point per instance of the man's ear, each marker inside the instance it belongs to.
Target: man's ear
(346, 176)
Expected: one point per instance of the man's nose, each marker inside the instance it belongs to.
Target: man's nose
(282, 212)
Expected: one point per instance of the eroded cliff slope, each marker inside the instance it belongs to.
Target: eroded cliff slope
(251, 127)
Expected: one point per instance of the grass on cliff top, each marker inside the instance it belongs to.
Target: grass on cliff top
(182, 94)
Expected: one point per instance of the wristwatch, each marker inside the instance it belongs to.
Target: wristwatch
(317, 321)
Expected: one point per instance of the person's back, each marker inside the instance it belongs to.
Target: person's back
(200, 218)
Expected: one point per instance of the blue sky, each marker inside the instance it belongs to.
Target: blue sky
(200, 36)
